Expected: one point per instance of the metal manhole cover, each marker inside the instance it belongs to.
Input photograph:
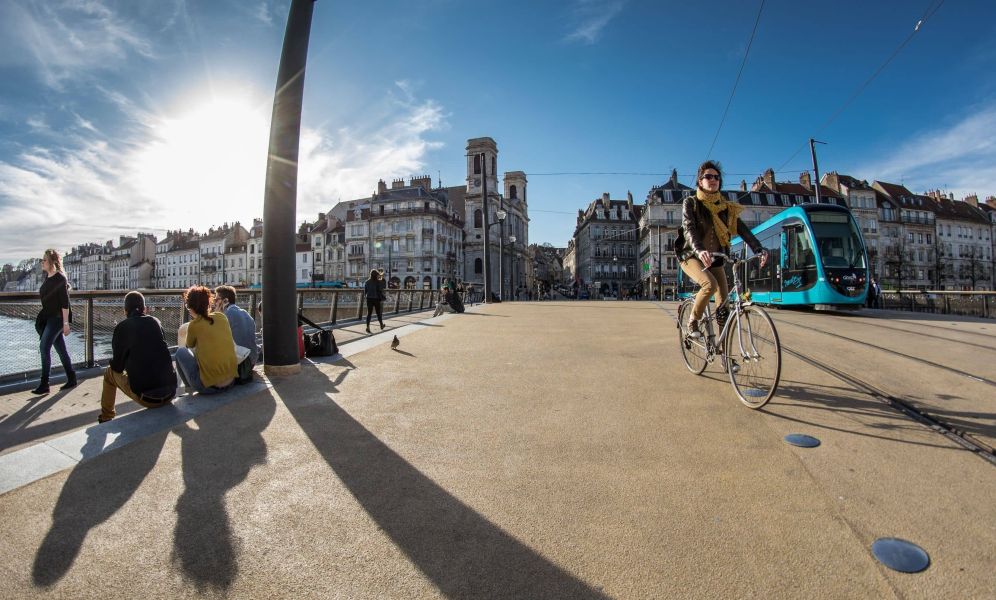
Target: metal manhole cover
(801, 440)
(900, 555)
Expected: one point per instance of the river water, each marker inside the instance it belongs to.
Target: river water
(19, 346)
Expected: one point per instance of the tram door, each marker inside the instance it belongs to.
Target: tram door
(776, 284)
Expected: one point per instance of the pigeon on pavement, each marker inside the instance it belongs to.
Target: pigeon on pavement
(395, 343)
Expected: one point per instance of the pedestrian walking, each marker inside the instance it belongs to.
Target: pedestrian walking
(52, 322)
(373, 289)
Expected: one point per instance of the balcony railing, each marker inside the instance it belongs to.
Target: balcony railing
(95, 314)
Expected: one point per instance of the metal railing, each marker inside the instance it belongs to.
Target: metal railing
(973, 304)
(95, 314)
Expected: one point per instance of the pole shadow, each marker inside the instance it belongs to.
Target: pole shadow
(93, 492)
(464, 554)
(217, 456)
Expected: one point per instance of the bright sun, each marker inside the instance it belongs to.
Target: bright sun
(206, 166)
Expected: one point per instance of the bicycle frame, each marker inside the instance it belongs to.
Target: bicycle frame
(711, 341)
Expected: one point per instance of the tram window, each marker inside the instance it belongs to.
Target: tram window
(838, 241)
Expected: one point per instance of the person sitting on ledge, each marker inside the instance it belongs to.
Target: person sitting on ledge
(141, 366)
(206, 360)
(242, 324)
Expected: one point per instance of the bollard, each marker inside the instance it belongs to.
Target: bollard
(397, 302)
(335, 307)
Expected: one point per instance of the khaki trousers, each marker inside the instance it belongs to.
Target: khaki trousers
(713, 281)
(114, 381)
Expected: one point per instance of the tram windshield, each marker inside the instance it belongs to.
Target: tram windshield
(838, 240)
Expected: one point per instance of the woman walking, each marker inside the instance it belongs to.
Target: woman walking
(374, 291)
(213, 367)
(53, 321)
(709, 222)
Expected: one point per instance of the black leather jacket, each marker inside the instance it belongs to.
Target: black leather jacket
(696, 222)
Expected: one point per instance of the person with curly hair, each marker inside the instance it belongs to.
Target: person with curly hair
(206, 362)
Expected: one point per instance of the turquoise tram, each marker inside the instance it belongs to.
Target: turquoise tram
(817, 259)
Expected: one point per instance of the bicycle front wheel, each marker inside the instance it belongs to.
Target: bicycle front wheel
(693, 350)
(754, 356)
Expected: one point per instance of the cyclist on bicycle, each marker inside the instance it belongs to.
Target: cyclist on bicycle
(709, 221)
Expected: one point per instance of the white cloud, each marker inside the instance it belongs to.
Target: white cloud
(196, 170)
(589, 17)
(65, 40)
(959, 158)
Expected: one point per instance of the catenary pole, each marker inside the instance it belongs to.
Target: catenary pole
(280, 350)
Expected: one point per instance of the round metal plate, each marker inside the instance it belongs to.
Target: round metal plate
(900, 555)
(801, 440)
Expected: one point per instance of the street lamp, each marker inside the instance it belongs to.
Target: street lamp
(501, 252)
(513, 289)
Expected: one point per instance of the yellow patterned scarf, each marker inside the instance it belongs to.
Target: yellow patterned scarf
(716, 204)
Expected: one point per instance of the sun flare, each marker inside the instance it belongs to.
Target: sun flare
(208, 163)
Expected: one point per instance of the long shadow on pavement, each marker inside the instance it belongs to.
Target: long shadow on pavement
(217, 456)
(464, 554)
(93, 492)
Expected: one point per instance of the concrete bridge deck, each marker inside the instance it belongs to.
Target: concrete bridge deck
(534, 450)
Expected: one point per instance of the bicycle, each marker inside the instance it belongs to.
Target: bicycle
(747, 343)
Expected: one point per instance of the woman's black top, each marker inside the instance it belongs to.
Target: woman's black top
(54, 295)
(373, 289)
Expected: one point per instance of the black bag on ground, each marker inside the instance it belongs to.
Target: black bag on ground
(319, 343)
(245, 372)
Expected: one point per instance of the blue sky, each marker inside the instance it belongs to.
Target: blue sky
(119, 116)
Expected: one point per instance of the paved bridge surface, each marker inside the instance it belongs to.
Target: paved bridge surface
(527, 450)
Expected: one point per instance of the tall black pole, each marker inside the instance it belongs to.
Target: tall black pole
(280, 351)
(660, 275)
(501, 249)
(816, 168)
(487, 228)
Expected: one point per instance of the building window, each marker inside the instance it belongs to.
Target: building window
(478, 218)
(478, 266)
(513, 192)
(477, 164)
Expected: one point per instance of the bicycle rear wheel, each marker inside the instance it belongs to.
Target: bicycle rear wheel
(752, 345)
(693, 351)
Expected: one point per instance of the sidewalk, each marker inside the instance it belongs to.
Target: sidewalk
(28, 419)
(529, 450)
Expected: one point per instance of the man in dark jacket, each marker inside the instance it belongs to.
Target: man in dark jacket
(141, 366)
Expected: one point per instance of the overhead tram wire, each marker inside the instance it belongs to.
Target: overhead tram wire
(737, 81)
(928, 13)
(640, 174)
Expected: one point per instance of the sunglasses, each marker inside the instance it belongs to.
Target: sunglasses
(711, 177)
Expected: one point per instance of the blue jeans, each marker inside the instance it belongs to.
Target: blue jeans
(52, 336)
(190, 373)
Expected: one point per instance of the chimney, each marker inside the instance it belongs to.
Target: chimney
(806, 180)
(605, 199)
(972, 199)
(381, 187)
(769, 178)
(991, 201)
(743, 185)
(629, 199)
(674, 179)
(951, 196)
(397, 184)
(321, 217)
(832, 181)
